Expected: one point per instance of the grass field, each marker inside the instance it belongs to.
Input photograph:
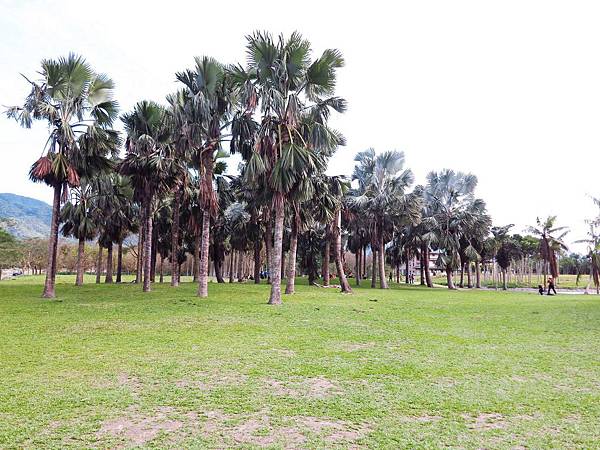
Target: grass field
(565, 282)
(107, 366)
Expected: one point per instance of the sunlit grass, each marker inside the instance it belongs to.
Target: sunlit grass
(407, 367)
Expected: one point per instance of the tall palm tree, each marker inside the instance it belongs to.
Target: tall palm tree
(147, 163)
(203, 112)
(550, 243)
(382, 196)
(295, 96)
(77, 103)
(454, 210)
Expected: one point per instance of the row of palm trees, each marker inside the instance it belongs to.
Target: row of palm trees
(171, 190)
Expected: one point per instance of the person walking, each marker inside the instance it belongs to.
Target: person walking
(551, 286)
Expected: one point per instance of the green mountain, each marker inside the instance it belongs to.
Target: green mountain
(24, 217)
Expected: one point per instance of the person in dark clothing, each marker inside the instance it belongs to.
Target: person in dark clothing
(551, 286)
(541, 289)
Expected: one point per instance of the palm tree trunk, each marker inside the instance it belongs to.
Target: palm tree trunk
(218, 266)
(504, 287)
(326, 257)
(477, 275)
(311, 270)
(364, 262)
(109, 264)
(80, 254)
(268, 245)
(49, 290)
(373, 267)
(381, 254)
(357, 265)
(406, 267)
(204, 245)
(469, 282)
(257, 246)
(428, 279)
(141, 238)
(545, 264)
(283, 266)
(231, 265)
(99, 264)
(175, 237)
(449, 278)
(161, 269)
(291, 274)
(337, 240)
(140, 252)
(279, 206)
(154, 252)
(421, 268)
(240, 266)
(197, 244)
(119, 261)
(148, 244)
(425, 252)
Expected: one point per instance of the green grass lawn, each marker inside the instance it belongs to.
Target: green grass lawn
(107, 366)
(565, 282)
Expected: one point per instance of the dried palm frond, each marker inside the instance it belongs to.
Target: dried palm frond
(40, 169)
(72, 177)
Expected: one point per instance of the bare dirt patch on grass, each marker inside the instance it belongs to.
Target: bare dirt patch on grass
(485, 421)
(356, 346)
(425, 418)
(316, 387)
(207, 381)
(130, 381)
(289, 432)
(137, 428)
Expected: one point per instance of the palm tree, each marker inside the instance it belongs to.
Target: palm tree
(423, 235)
(309, 249)
(381, 195)
(77, 103)
(322, 196)
(78, 221)
(549, 243)
(333, 196)
(114, 215)
(507, 249)
(593, 247)
(147, 164)
(295, 96)
(455, 211)
(202, 113)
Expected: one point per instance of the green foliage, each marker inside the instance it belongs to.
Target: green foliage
(10, 250)
(458, 218)
(77, 104)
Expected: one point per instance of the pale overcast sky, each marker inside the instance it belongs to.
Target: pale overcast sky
(508, 90)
